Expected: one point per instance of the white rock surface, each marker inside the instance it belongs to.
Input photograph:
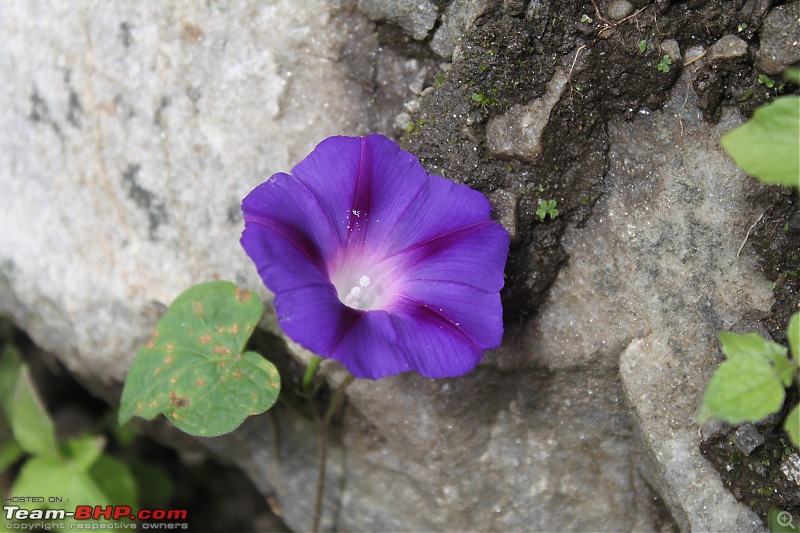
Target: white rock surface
(129, 132)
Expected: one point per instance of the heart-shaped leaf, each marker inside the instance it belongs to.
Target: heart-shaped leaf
(194, 369)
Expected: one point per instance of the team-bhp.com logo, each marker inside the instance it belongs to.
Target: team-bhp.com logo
(95, 517)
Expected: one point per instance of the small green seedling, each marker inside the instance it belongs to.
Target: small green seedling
(482, 99)
(666, 61)
(741, 27)
(547, 207)
(586, 19)
(765, 80)
(194, 368)
(438, 80)
(643, 45)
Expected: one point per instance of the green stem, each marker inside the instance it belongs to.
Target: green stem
(323, 426)
(311, 373)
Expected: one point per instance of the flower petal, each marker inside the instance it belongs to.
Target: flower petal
(477, 313)
(314, 317)
(434, 347)
(284, 205)
(473, 256)
(332, 173)
(415, 339)
(280, 258)
(371, 349)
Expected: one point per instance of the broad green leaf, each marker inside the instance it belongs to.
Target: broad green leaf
(82, 452)
(767, 145)
(744, 389)
(792, 74)
(735, 345)
(793, 333)
(193, 370)
(53, 476)
(29, 421)
(792, 425)
(115, 480)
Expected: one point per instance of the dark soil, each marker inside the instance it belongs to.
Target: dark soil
(508, 59)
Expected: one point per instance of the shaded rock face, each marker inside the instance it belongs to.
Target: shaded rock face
(130, 134)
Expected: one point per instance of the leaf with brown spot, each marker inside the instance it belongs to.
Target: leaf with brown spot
(167, 377)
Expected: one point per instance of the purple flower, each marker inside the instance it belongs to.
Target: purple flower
(377, 264)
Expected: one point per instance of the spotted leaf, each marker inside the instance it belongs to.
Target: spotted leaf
(194, 368)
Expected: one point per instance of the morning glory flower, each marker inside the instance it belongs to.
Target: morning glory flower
(377, 264)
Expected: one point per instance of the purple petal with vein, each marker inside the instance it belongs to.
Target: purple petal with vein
(376, 263)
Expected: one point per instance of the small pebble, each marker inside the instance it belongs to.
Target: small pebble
(619, 9)
(747, 438)
(728, 47)
(790, 467)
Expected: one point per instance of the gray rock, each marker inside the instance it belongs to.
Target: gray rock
(130, 134)
(671, 48)
(518, 131)
(416, 17)
(747, 438)
(129, 158)
(639, 293)
(780, 39)
(619, 9)
(457, 18)
(728, 47)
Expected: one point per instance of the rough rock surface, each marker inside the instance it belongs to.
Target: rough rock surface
(126, 152)
(780, 39)
(417, 17)
(456, 19)
(129, 136)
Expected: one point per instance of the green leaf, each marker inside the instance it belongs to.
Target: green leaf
(53, 476)
(193, 370)
(29, 421)
(744, 389)
(792, 426)
(781, 521)
(792, 74)
(82, 452)
(10, 453)
(766, 146)
(642, 46)
(10, 366)
(115, 480)
(793, 333)
(735, 345)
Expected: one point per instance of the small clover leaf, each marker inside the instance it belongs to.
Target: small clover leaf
(666, 61)
(547, 207)
(194, 369)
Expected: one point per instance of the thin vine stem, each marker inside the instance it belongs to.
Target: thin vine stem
(323, 425)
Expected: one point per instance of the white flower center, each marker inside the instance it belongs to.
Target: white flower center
(356, 293)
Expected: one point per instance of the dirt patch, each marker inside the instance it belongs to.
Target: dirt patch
(508, 58)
